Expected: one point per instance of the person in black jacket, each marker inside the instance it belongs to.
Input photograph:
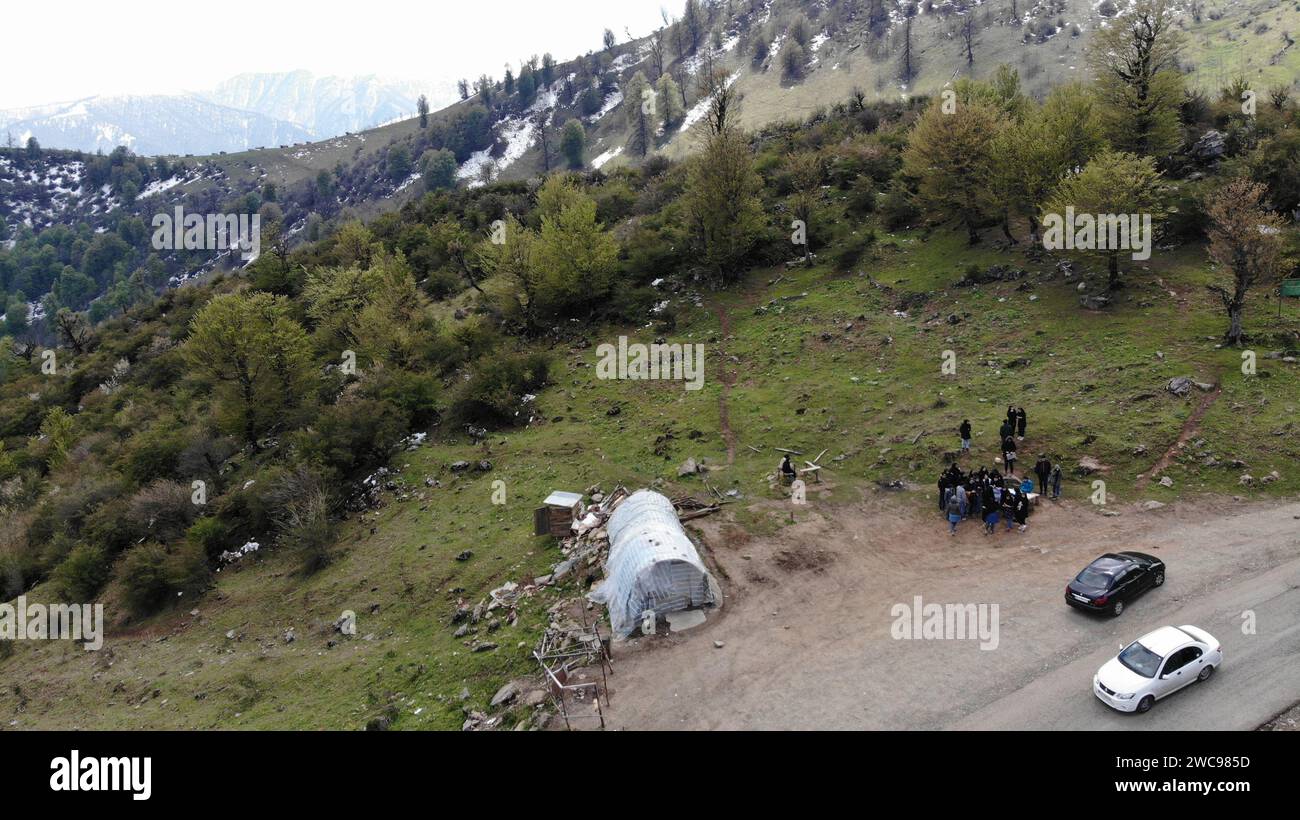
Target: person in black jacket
(964, 432)
(1022, 511)
(1021, 422)
(1042, 469)
(1009, 454)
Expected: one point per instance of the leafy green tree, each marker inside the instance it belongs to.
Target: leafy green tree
(1135, 62)
(670, 106)
(721, 201)
(950, 154)
(1000, 91)
(398, 163)
(258, 357)
(573, 142)
(638, 108)
(1032, 154)
(1113, 184)
(422, 107)
(57, 428)
(74, 289)
(439, 167)
(574, 258)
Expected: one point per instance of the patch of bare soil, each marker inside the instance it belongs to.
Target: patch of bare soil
(1190, 428)
(803, 558)
(800, 649)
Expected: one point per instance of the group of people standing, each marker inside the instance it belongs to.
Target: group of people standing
(984, 495)
(988, 495)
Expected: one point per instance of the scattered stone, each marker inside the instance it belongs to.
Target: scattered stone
(1089, 465)
(485, 647)
(1209, 148)
(689, 467)
(465, 555)
(1166, 481)
(1148, 506)
(504, 695)
(289, 636)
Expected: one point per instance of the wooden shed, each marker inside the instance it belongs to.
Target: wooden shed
(557, 516)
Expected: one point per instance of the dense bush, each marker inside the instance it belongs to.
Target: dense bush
(497, 387)
(150, 576)
(82, 574)
(352, 436)
(164, 510)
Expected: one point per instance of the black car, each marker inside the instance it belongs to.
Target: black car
(1114, 579)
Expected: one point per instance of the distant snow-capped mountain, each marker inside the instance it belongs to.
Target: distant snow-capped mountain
(246, 111)
(149, 124)
(327, 106)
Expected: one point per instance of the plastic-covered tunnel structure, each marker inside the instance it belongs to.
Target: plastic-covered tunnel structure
(652, 564)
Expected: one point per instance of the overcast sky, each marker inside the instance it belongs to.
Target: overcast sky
(66, 49)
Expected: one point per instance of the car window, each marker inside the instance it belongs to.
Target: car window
(1179, 659)
(1092, 578)
(1140, 660)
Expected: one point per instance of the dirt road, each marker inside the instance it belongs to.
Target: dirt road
(806, 631)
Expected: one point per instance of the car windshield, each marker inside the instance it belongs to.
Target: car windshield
(1140, 659)
(1094, 578)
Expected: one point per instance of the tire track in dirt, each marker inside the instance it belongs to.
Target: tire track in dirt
(728, 378)
(1190, 428)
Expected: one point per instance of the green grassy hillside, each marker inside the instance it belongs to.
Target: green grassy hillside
(820, 359)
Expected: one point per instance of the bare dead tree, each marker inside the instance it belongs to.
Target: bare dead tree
(967, 32)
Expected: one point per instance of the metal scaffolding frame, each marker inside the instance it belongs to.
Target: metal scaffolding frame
(560, 652)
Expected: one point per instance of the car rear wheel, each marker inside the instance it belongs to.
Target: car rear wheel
(1160, 578)
(1206, 673)
(1117, 609)
(1144, 705)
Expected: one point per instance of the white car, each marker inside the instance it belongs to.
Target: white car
(1155, 665)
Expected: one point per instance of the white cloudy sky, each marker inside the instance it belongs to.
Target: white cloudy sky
(67, 49)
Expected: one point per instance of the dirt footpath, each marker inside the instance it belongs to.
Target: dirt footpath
(806, 630)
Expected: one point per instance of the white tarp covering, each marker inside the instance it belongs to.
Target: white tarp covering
(652, 564)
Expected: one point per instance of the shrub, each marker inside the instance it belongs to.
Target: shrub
(442, 283)
(495, 392)
(351, 436)
(66, 511)
(416, 395)
(111, 528)
(852, 251)
(152, 454)
(862, 199)
(302, 519)
(82, 574)
(245, 512)
(209, 534)
(897, 209)
(150, 576)
(164, 510)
